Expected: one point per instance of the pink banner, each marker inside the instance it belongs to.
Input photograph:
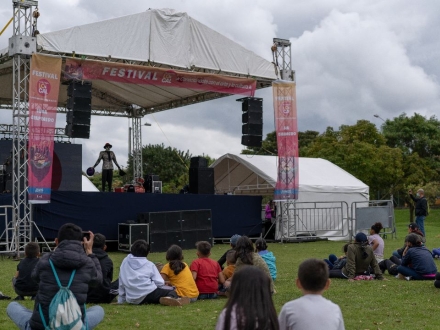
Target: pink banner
(284, 99)
(137, 74)
(44, 83)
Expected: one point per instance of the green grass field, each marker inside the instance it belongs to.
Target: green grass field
(392, 304)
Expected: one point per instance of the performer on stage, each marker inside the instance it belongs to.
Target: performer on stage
(108, 157)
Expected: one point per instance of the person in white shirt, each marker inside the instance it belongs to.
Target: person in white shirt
(140, 281)
(312, 311)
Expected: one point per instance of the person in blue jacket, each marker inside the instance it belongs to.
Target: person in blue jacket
(417, 262)
(268, 257)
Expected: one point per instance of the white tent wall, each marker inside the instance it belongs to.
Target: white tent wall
(326, 193)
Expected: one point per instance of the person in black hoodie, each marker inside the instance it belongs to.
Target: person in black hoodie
(72, 252)
(101, 293)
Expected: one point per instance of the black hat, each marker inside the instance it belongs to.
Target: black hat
(108, 145)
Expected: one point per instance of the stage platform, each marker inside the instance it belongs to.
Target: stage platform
(102, 211)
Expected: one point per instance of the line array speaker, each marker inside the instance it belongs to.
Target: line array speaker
(252, 122)
(79, 105)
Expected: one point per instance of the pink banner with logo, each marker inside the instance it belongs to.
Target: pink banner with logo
(44, 83)
(137, 74)
(284, 103)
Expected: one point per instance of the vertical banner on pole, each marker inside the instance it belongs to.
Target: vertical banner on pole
(44, 83)
(284, 99)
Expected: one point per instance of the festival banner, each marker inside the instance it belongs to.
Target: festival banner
(145, 75)
(44, 84)
(284, 101)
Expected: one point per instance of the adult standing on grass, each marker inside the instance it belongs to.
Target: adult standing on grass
(421, 208)
(360, 258)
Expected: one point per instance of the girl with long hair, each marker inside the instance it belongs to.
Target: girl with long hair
(250, 305)
(177, 273)
(376, 242)
(245, 255)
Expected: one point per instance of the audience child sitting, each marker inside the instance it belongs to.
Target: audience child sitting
(233, 242)
(417, 262)
(206, 272)
(107, 291)
(360, 259)
(227, 272)
(334, 262)
(376, 241)
(250, 304)
(312, 310)
(140, 281)
(412, 229)
(22, 282)
(246, 256)
(268, 257)
(176, 273)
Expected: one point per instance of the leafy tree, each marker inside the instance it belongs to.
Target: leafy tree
(360, 150)
(169, 163)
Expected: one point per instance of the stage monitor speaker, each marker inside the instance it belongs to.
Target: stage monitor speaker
(252, 129)
(252, 140)
(196, 220)
(201, 180)
(77, 131)
(129, 233)
(80, 89)
(158, 242)
(78, 117)
(148, 182)
(197, 162)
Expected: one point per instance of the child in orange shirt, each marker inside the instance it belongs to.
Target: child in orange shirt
(176, 273)
(228, 272)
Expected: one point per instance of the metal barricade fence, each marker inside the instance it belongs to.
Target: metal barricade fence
(365, 214)
(312, 219)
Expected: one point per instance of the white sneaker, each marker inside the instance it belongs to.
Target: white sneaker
(168, 301)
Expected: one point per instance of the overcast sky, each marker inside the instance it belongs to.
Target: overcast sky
(353, 59)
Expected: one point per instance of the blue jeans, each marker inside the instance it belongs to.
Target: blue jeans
(406, 271)
(207, 296)
(396, 254)
(20, 315)
(420, 221)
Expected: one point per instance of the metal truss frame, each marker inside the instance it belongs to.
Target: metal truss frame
(23, 25)
(283, 58)
(137, 147)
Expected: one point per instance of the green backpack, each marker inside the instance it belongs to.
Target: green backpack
(64, 311)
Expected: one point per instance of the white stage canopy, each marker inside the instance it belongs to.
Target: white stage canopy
(161, 38)
(319, 179)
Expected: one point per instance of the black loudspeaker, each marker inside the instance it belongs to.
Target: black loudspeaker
(129, 233)
(80, 109)
(197, 162)
(77, 131)
(78, 117)
(252, 129)
(251, 140)
(80, 89)
(148, 182)
(252, 120)
(158, 242)
(201, 180)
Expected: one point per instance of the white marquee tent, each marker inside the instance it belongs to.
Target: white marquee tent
(326, 191)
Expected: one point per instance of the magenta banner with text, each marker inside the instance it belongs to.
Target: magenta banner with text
(44, 83)
(284, 101)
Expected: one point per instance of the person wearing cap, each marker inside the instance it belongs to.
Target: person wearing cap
(233, 243)
(421, 208)
(412, 228)
(108, 157)
(360, 257)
